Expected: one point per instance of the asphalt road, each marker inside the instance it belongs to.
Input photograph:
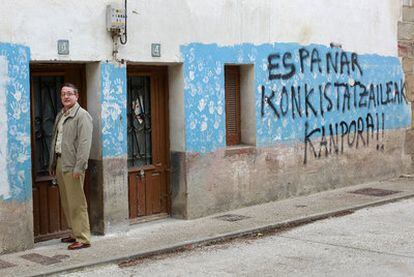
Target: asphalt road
(377, 241)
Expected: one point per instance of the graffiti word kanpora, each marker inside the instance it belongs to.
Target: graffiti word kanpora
(317, 101)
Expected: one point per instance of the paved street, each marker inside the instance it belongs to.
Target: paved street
(376, 241)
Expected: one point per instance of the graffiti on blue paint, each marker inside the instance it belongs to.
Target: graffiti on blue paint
(301, 93)
(15, 99)
(354, 108)
(113, 100)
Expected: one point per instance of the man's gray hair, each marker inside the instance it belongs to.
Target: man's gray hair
(70, 85)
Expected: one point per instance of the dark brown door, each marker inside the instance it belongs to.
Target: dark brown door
(148, 144)
(45, 81)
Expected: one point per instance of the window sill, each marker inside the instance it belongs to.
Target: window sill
(240, 149)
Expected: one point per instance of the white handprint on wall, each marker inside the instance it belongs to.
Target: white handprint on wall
(4, 185)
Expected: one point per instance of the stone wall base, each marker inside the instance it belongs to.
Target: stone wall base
(241, 176)
(16, 227)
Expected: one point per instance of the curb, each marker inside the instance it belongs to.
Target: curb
(265, 230)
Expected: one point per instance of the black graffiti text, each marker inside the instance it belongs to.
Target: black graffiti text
(331, 139)
(308, 101)
(282, 65)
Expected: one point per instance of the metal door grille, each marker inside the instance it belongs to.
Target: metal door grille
(46, 100)
(139, 121)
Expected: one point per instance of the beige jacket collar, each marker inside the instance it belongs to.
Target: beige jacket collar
(72, 111)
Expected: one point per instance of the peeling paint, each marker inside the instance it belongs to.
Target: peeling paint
(204, 83)
(114, 120)
(4, 185)
(15, 122)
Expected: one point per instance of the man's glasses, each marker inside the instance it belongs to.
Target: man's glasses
(63, 94)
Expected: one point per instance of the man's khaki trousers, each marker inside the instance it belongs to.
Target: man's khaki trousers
(74, 203)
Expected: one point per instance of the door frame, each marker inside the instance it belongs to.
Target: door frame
(162, 72)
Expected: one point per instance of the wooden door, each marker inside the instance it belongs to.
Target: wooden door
(148, 143)
(45, 81)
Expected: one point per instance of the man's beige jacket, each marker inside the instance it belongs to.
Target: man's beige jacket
(76, 141)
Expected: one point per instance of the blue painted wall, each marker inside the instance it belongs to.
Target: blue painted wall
(114, 119)
(356, 94)
(17, 106)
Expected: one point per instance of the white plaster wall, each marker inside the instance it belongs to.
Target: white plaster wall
(247, 103)
(4, 184)
(93, 75)
(176, 107)
(364, 26)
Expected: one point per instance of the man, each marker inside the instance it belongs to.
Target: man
(70, 148)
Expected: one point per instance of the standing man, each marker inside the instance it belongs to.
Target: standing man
(70, 148)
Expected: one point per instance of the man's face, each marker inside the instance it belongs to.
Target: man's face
(69, 97)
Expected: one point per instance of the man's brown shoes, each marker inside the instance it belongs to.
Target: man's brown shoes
(78, 245)
(75, 244)
(68, 240)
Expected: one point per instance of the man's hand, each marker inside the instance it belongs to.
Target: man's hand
(76, 175)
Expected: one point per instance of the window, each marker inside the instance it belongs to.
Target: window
(139, 121)
(232, 91)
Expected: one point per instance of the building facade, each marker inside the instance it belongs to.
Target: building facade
(201, 106)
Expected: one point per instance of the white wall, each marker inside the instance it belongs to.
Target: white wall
(363, 26)
(247, 103)
(93, 75)
(176, 108)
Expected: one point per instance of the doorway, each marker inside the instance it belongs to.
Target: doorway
(148, 143)
(45, 81)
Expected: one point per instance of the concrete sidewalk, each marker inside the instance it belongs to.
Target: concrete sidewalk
(166, 235)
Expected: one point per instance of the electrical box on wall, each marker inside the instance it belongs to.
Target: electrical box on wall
(115, 18)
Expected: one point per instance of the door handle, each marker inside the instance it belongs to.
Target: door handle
(53, 183)
(141, 173)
